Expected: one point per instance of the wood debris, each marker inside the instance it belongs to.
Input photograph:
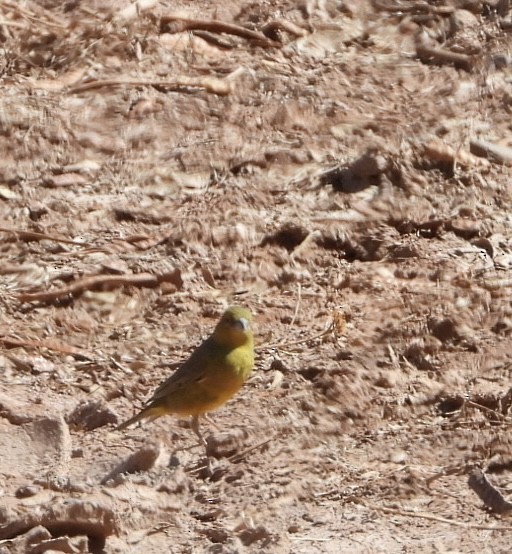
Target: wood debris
(93, 282)
(178, 24)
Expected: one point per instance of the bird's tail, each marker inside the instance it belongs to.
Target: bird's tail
(147, 413)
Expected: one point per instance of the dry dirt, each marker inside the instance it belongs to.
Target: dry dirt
(340, 167)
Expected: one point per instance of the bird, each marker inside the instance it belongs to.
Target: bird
(212, 374)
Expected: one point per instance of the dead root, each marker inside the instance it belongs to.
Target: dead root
(97, 281)
(177, 24)
(210, 84)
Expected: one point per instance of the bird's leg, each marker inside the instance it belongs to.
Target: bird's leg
(195, 427)
(211, 422)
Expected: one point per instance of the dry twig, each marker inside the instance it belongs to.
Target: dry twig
(432, 517)
(44, 17)
(239, 456)
(494, 284)
(177, 24)
(297, 305)
(272, 27)
(335, 326)
(454, 470)
(210, 84)
(32, 235)
(49, 344)
(489, 150)
(428, 53)
(93, 282)
(413, 7)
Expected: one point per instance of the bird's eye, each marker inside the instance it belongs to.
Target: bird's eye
(241, 323)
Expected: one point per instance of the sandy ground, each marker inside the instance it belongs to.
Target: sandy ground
(340, 168)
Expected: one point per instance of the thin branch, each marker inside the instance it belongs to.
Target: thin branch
(88, 283)
(295, 342)
(49, 344)
(429, 53)
(210, 84)
(297, 305)
(239, 456)
(176, 24)
(432, 517)
(33, 235)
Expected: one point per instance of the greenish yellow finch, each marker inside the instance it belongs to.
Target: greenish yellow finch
(215, 371)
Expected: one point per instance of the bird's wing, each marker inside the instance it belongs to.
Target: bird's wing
(191, 370)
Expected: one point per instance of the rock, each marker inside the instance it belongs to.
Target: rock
(369, 164)
(178, 483)
(250, 535)
(54, 432)
(15, 412)
(90, 415)
(501, 61)
(224, 445)
(26, 542)
(462, 19)
(70, 545)
(36, 535)
(27, 491)
(141, 460)
(63, 517)
(35, 448)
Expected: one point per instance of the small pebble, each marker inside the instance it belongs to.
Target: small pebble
(27, 490)
(500, 61)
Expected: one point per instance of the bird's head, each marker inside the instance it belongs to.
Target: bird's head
(234, 327)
